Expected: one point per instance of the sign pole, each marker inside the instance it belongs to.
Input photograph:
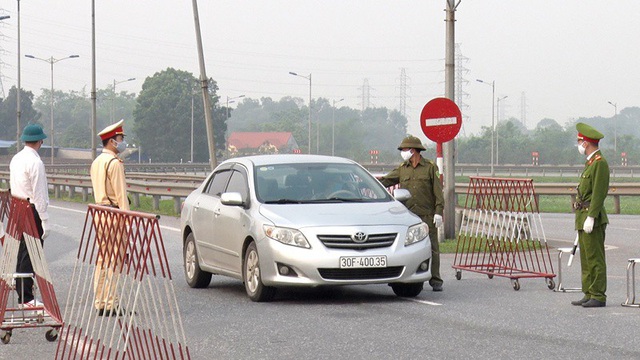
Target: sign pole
(439, 160)
(441, 121)
(449, 147)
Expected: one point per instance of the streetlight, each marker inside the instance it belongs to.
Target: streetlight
(615, 127)
(333, 128)
(308, 78)
(52, 61)
(231, 100)
(493, 102)
(498, 128)
(114, 95)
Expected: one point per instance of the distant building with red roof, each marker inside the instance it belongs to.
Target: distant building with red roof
(246, 143)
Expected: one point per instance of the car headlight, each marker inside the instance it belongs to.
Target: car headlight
(286, 236)
(416, 233)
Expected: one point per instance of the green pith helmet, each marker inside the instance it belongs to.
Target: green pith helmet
(588, 133)
(32, 132)
(411, 142)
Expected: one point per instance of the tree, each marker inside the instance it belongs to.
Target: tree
(163, 117)
(8, 115)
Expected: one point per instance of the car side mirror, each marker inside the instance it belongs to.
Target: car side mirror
(401, 194)
(231, 199)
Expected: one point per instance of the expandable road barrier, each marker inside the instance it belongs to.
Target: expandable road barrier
(21, 227)
(5, 201)
(631, 283)
(121, 302)
(501, 232)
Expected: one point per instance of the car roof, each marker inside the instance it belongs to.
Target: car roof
(259, 160)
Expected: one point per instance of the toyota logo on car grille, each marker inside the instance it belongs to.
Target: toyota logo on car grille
(359, 237)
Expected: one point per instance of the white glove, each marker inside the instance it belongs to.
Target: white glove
(588, 225)
(45, 229)
(437, 219)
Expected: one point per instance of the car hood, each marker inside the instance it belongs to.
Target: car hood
(341, 214)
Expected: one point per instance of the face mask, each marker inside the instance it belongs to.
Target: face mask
(121, 146)
(406, 155)
(581, 149)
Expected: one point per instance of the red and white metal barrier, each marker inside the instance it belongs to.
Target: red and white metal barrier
(121, 303)
(21, 226)
(501, 232)
(5, 201)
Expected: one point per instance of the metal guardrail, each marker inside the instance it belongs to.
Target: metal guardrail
(179, 186)
(460, 169)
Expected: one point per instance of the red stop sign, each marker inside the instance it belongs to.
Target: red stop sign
(441, 120)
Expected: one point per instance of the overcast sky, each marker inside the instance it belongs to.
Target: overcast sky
(568, 57)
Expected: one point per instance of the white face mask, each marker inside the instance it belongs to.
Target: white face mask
(406, 155)
(581, 149)
(121, 146)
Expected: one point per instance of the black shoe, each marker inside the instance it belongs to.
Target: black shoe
(437, 287)
(594, 303)
(580, 302)
(112, 312)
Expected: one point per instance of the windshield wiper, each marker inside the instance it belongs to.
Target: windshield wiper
(283, 201)
(334, 199)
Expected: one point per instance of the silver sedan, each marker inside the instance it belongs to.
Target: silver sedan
(301, 220)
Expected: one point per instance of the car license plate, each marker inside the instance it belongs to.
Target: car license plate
(354, 262)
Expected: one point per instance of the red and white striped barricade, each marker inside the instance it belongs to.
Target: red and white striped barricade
(121, 302)
(5, 201)
(21, 227)
(501, 232)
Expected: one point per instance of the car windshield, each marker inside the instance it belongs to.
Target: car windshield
(317, 183)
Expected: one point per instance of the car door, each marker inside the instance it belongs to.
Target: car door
(204, 209)
(232, 223)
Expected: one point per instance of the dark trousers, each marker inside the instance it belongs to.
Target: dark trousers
(436, 279)
(24, 286)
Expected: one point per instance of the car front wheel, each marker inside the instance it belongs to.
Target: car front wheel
(196, 278)
(407, 290)
(256, 290)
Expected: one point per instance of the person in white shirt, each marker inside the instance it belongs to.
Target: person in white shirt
(28, 180)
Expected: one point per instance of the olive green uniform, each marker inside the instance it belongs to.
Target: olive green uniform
(427, 199)
(592, 190)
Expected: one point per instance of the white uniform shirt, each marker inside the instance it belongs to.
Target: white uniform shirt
(28, 180)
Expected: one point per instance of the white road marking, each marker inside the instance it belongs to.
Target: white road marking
(64, 208)
(170, 228)
(424, 302)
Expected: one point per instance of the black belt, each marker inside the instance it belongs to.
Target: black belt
(581, 205)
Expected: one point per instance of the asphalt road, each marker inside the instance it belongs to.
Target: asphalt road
(475, 317)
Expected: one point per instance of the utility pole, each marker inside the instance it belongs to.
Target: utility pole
(205, 90)
(19, 89)
(449, 147)
(94, 116)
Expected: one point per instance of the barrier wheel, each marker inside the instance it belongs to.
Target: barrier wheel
(551, 284)
(490, 276)
(458, 274)
(516, 284)
(6, 337)
(51, 335)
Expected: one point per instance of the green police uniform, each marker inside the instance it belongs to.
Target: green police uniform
(592, 191)
(427, 199)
